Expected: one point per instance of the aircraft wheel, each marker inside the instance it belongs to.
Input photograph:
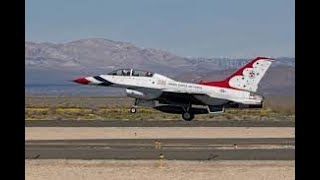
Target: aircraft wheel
(187, 116)
(133, 110)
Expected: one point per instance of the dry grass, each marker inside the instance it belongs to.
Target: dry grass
(112, 108)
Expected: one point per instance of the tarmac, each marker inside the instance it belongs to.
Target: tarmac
(170, 149)
(111, 146)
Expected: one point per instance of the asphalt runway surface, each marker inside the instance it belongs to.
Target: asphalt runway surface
(169, 149)
(167, 123)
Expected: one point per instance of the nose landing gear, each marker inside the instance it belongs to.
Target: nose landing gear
(133, 110)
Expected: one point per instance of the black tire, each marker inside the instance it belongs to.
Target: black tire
(187, 116)
(133, 110)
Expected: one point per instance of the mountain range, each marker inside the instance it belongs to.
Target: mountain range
(52, 64)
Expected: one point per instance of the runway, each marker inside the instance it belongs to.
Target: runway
(169, 149)
(170, 140)
(159, 123)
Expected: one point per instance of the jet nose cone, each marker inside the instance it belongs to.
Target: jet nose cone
(81, 80)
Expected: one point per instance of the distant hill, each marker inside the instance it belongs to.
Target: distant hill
(49, 63)
(93, 53)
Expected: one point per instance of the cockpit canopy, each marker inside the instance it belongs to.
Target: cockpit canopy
(131, 72)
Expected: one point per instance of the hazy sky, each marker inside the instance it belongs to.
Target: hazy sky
(206, 28)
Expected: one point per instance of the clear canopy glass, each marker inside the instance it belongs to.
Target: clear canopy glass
(131, 72)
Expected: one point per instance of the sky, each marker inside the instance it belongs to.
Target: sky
(190, 28)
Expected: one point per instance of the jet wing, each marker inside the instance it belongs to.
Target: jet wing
(186, 98)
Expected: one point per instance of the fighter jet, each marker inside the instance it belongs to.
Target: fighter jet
(188, 99)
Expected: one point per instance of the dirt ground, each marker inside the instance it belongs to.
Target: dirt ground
(156, 169)
(47, 133)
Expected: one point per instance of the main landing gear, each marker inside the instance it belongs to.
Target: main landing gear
(187, 115)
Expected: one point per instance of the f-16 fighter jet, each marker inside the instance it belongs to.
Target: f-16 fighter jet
(188, 99)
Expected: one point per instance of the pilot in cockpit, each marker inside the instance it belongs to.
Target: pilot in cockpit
(149, 74)
(125, 72)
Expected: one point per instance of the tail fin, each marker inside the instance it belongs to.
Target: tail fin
(247, 78)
